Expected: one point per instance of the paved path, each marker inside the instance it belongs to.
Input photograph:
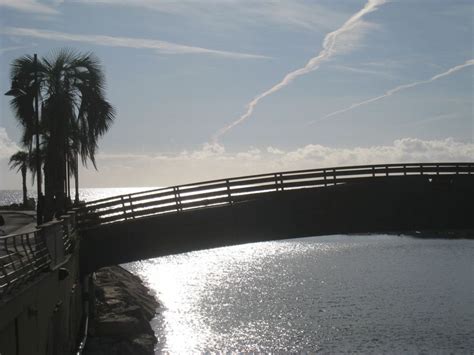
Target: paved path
(18, 221)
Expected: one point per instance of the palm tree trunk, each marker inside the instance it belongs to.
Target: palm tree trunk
(25, 192)
(54, 179)
(48, 191)
(76, 180)
(66, 177)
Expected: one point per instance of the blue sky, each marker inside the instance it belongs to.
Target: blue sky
(182, 74)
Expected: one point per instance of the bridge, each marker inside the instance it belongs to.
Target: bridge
(44, 274)
(352, 199)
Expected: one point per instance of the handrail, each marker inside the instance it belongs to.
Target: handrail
(24, 256)
(176, 199)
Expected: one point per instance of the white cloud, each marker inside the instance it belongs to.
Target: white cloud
(208, 151)
(111, 41)
(273, 150)
(402, 150)
(7, 146)
(213, 161)
(32, 6)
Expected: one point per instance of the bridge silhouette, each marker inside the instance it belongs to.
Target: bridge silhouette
(352, 199)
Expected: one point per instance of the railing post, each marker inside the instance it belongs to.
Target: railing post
(25, 249)
(229, 195)
(325, 178)
(276, 182)
(404, 170)
(386, 170)
(334, 176)
(373, 171)
(457, 169)
(131, 205)
(16, 251)
(123, 207)
(177, 198)
(31, 250)
(281, 182)
(5, 274)
(437, 169)
(421, 169)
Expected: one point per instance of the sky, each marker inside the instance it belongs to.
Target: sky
(207, 89)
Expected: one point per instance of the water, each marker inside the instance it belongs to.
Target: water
(376, 293)
(7, 197)
(365, 294)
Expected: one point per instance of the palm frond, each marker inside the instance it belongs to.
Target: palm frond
(19, 160)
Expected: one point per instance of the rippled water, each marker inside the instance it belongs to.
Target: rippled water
(374, 293)
(7, 197)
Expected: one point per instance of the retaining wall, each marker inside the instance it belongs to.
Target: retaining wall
(43, 314)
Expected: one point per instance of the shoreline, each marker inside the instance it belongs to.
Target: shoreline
(121, 315)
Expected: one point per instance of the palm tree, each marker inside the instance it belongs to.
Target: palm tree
(21, 161)
(74, 114)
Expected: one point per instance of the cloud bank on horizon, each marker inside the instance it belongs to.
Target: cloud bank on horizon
(213, 161)
(329, 49)
(397, 89)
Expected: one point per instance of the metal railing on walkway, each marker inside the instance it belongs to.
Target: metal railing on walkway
(176, 199)
(25, 256)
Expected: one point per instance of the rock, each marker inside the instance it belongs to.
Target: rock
(124, 309)
(117, 324)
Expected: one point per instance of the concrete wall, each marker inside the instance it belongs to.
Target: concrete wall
(44, 316)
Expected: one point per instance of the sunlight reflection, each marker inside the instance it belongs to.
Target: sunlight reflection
(192, 285)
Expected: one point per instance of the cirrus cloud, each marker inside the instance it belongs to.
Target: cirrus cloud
(340, 40)
(127, 42)
(32, 6)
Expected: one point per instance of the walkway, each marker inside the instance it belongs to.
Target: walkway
(18, 221)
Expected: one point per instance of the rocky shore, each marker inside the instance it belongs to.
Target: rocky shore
(121, 320)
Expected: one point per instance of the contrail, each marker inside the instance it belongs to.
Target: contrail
(397, 89)
(328, 50)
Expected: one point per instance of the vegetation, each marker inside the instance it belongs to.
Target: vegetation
(74, 114)
(21, 161)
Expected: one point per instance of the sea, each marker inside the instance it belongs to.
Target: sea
(329, 294)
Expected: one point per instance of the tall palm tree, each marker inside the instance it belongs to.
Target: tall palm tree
(21, 161)
(74, 114)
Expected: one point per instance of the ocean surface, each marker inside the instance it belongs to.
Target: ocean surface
(330, 294)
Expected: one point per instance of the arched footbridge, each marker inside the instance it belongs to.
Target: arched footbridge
(351, 199)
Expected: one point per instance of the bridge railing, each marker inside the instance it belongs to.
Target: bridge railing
(176, 199)
(25, 256)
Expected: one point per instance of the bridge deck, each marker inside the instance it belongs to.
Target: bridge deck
(176, 199)
(368, 199)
